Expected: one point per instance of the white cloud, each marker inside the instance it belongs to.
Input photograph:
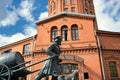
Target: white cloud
(26, 10)
(114, 5)
(10, 39)
(7, 17)
(11, 19)
(3, 12)
(108, 14)
(28, 32)
(43, 15)
(47, 7)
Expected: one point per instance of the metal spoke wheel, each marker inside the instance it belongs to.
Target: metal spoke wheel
(4, 72)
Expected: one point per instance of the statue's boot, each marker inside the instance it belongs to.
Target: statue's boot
(39, 77)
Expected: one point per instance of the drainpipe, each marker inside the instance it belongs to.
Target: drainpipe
(83, 69)
(101, 57)
(32, 55)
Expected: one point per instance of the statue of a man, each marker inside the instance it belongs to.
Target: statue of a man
(52, 66)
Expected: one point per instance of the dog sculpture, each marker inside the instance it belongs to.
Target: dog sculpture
(72, 76)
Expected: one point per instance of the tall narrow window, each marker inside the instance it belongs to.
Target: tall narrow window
(73, 9)
(50, 8)
(53, 5)
(74, 32)
(84, 1)
(65, 2)
(7, 51)
(86, 11)
(72, 1)
(53, 33)
(66, 9)
(89, 4)
(26, 49)
(64, 33)
(113, 69)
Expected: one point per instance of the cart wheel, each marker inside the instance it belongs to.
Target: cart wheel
(4, 72)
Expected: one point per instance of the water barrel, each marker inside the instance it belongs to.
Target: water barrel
(11, 59)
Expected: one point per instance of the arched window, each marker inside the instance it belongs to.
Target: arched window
(74, 32)
(54, 31)
(64, 33)
(73, 9)
(90, 12)
(68, 68)
(66, 9)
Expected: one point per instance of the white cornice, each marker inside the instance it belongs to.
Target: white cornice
(66, 13)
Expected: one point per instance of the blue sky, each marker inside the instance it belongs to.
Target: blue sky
(18, 17)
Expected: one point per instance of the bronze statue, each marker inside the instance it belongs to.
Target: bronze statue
(52, 66)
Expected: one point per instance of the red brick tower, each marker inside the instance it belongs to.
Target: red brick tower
(75, 21)
(78, 6)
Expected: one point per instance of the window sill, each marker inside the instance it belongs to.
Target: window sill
(76, 40)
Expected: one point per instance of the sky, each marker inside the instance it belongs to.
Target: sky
(18, 17)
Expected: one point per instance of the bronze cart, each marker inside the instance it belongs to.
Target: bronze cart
(12, 66)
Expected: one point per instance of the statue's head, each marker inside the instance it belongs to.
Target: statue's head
(58, 40)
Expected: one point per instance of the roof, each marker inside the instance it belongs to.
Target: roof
(67, 14)
(107, 32)
(17, 42)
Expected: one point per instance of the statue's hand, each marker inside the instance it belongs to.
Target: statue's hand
(56, 55)
(60, 60)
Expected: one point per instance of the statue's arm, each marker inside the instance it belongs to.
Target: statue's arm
(50, 49)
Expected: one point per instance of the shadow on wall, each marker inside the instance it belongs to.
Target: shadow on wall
(92, 73)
